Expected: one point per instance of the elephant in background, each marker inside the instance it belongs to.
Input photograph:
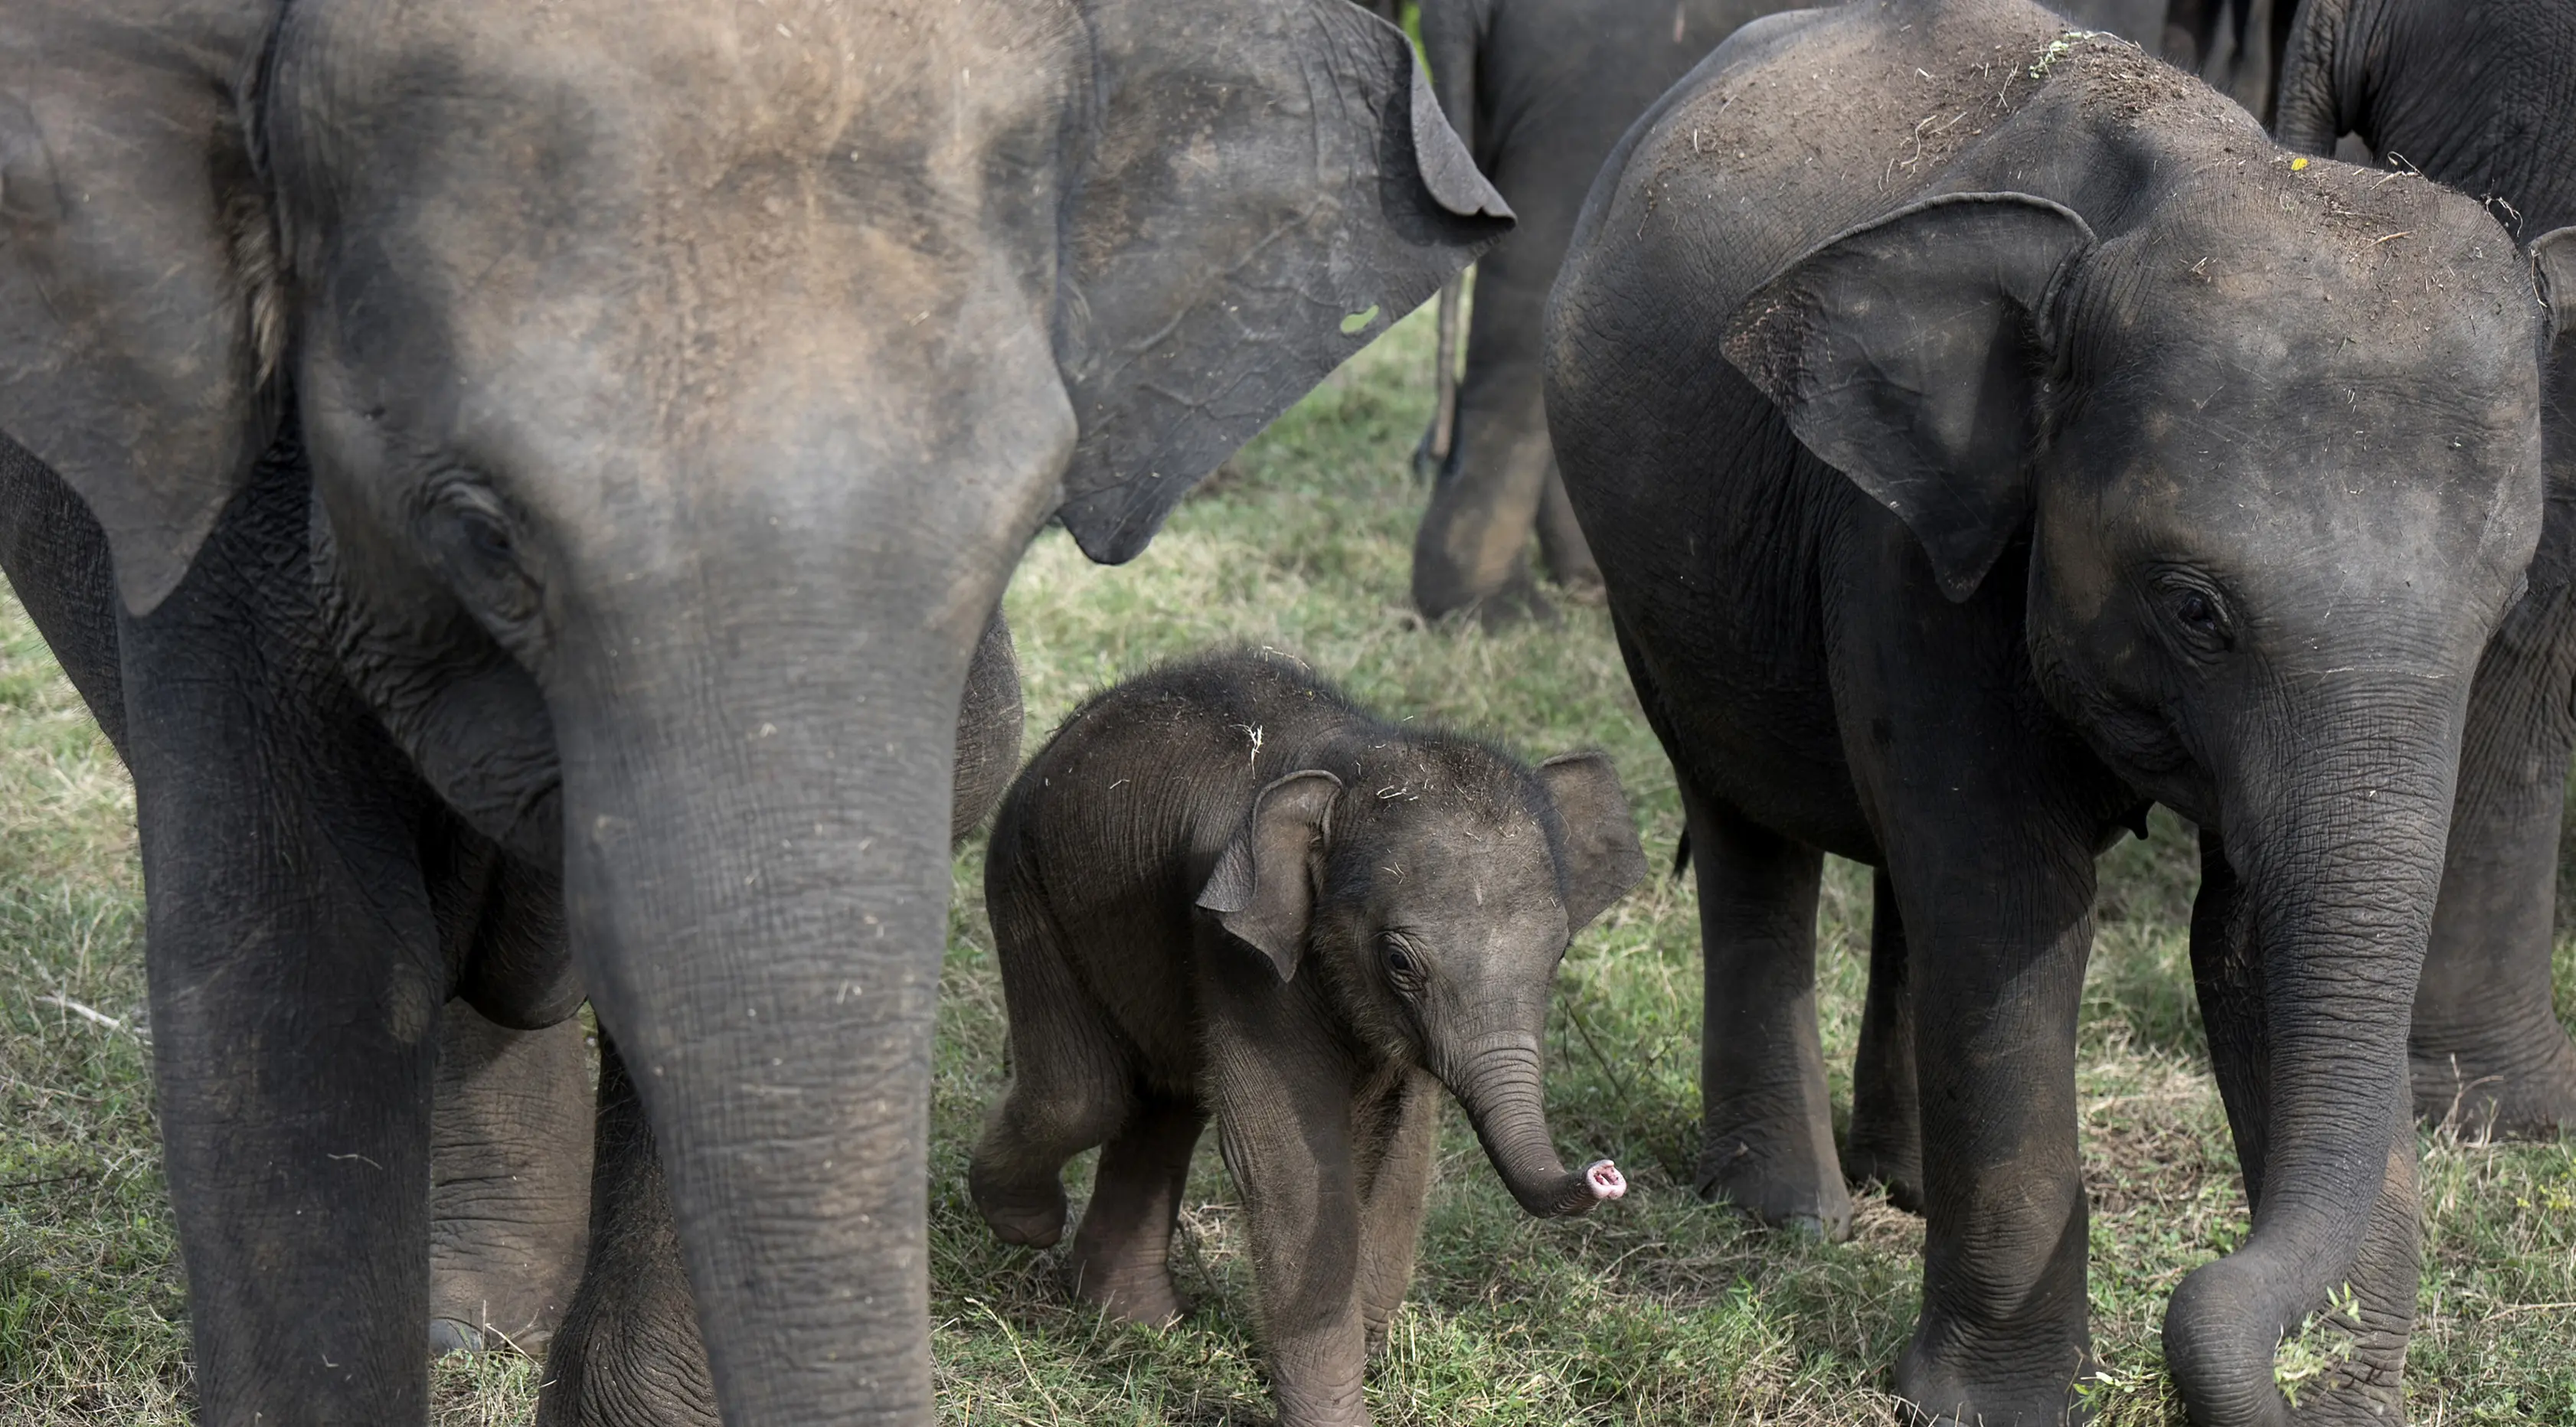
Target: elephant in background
(641, 413)
(1541, 90)
(2483, 98)
(1957, 498)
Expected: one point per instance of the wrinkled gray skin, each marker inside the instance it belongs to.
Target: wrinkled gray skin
(510, 1189)
(1541, 90)
(510, 1160)
(647, 410)
(2483, 98)
(1954, 502)
(1224, 889)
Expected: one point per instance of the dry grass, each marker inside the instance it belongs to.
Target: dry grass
(1659, 1310)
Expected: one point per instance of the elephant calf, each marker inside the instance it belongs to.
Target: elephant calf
(1224, 886)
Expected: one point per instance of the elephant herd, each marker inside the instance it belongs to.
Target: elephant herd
(528, 491)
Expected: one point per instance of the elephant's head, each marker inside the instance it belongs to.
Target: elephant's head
(679, 384)
(1430, 896)
(2275, 455)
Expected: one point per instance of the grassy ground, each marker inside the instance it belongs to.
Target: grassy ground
(1654, 1310)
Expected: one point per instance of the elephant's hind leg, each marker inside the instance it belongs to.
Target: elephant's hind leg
(1122, 1253)
(1886, 1142)
(1767, 1134)
(2487, 1051)
(1562, 545)
(1071, 1084)
(509, 1192)
(628, 1353)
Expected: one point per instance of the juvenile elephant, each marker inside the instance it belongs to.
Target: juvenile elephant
(2483, 98)
(1222, 887)
(644, 409)
(1540, 90)
(1962, 488)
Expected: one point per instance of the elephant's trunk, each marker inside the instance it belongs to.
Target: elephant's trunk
(2307, 944)
(1499, 1084)
(756, 808)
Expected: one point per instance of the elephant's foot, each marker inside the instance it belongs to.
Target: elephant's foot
(1131, 1292)
(2492, 1092)
(1974, 1389)
(1031, 1215)
(499, 1287)
(630, 1357)
(1516, 603)
(1895, 1167)
(1583, 587)
(1783, 1191)
(454, 1335)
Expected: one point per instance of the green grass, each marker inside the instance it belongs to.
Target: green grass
(1654, 1310)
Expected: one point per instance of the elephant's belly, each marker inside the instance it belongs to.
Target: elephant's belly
(1720, 607)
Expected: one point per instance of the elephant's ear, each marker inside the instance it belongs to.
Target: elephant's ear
(2553, 265)
(136, 321)
(1263, 888)
(1601, 857)
(1261, 187)
(1904, 355)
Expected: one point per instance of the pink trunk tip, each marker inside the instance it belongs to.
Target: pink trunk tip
(1604, 1180)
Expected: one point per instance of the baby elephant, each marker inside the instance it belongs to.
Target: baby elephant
(1224, 887)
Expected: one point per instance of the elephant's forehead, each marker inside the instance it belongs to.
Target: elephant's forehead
(696, 84)
(2329, 273)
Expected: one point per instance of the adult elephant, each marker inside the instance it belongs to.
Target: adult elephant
(1958, 494)
(1542, 90)
(645, 410)
(510, 1161)
(2483, 98)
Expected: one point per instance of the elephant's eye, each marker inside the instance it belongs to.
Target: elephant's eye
(2198, 612)
(1400, 963)
(476, 543)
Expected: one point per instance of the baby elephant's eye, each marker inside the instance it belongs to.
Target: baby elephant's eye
(1399, 961)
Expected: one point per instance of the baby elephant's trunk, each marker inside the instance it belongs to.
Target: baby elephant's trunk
(1500, 1087)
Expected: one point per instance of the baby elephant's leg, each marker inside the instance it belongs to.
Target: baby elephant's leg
(1285, 1127)
(1071, 1086)
(1400, 1129)
(1122, 1252)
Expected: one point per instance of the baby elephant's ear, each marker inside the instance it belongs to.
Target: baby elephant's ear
(1263, 888)
(1602, 858)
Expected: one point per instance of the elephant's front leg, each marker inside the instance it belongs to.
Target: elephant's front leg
(509, 1182)
(1283, 1122)
(2003, 1337)
(1398, 1133)
(1988, 822)
(296, 980)
(1767, 1133)
(2487, 1050)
